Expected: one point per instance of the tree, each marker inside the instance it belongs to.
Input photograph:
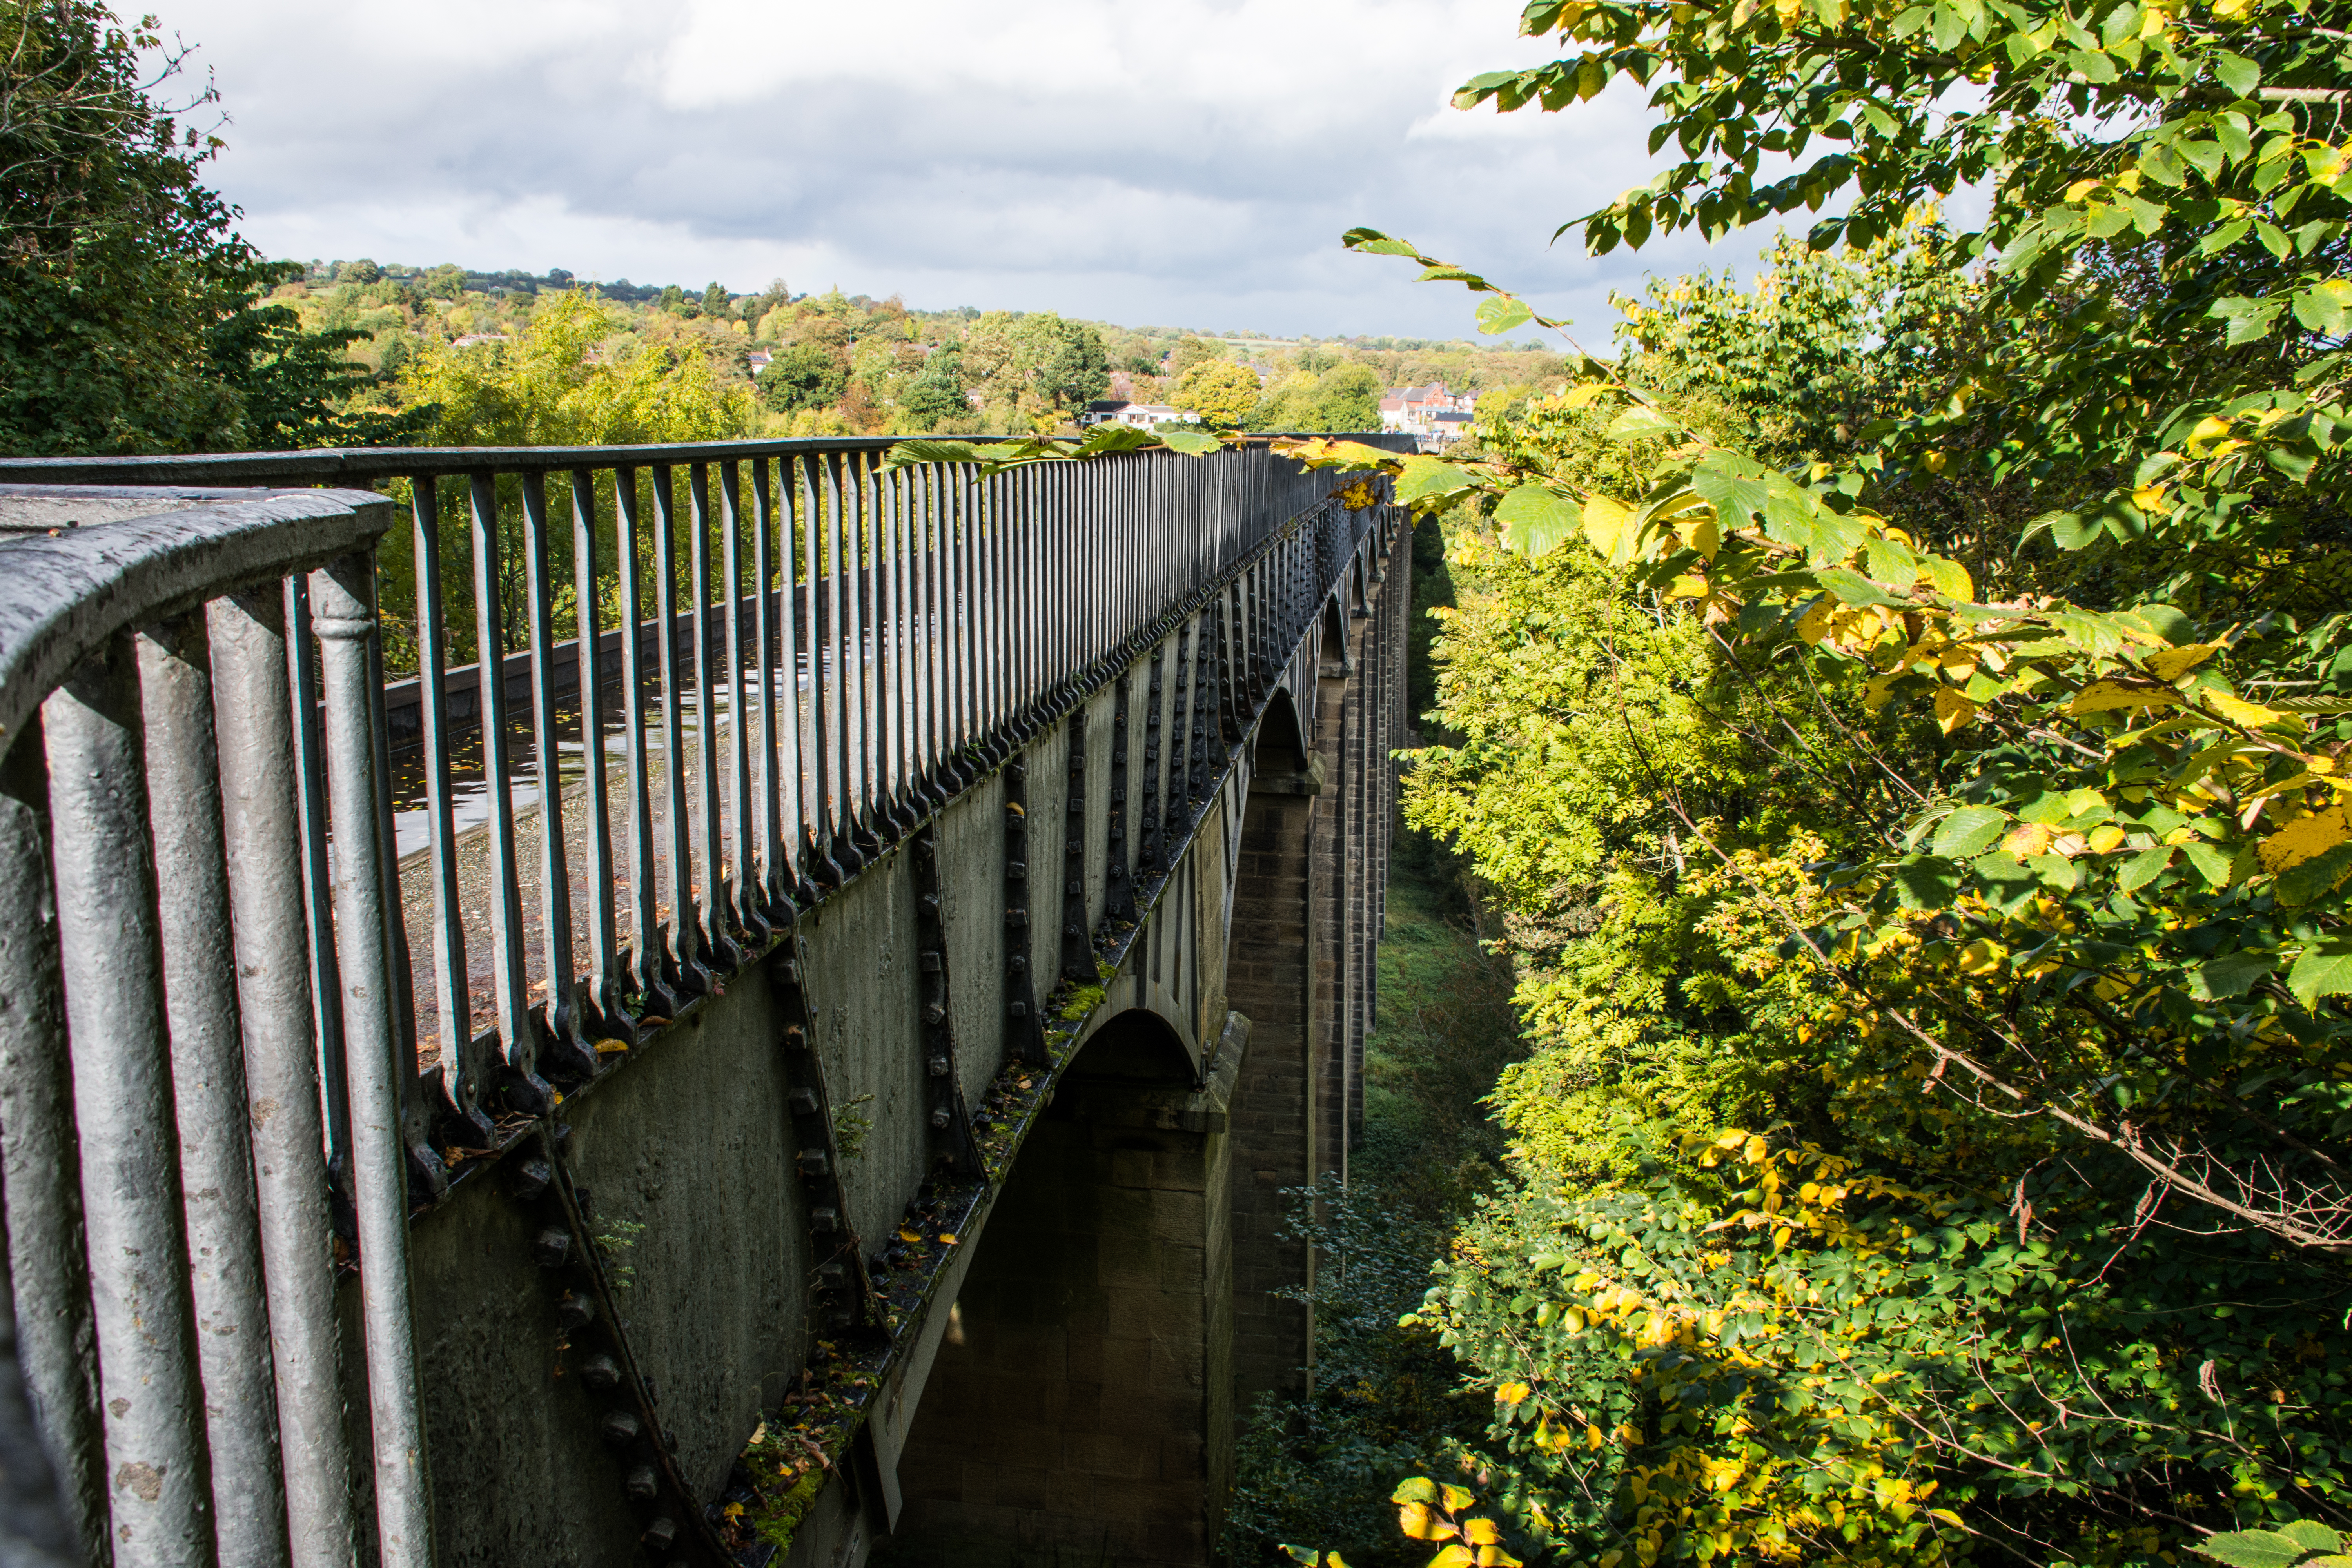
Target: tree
(116, 262)
(1906, 725)
(806, 376)
(1191, 350)
(714, 300)
(1219, 390)
(937, 393)
(1072, 367)
(1347, 397)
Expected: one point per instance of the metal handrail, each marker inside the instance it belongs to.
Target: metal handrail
(202, 905)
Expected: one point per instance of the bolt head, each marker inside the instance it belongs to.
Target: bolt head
(532, 1178)
(575, 1310)
(939, 1118)
(553, 1247)
(644, 1485)
(600, 1372)
(619, 1429)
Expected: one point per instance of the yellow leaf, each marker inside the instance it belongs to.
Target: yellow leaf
(2172, 663)
(1512, 1394)
(607, 1048)
(1756, 1149)
(1421, 1524)
(1480, 1532)
(1454, 1556)
(2147, 498)
(1937, 462)
(1687, 586)
(2107, 839)
(2105, 695)
(1496, 1557)
(1457, 1499)
(911, 1236)
(1585, 394)
(2028, 839)
(1877, 689)
(1706, 536)
(1605, 524)
(2238, 710)
(947, 1238)
(1981, 957)
(1953, 711)
(2304, 838)
(1814, 623)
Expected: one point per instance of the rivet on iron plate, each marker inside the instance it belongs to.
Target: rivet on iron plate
(532, 1178)
(620, 1428)
(551, 1247)
(661, 1533)
(939, 1118)
(575, 1310)
(645, 1486)
(600, 1372)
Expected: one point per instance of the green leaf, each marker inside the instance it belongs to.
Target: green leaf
(2253, 1548)
(2324, 970)
(2312, 1535)
(2213, 862)
(2231, 976)
(2236, 72)
(1969, 831)
(1192, 443)
(1734, 486)
(1502, 313)
(1425, 477)
(1640, 422)
(2249, 319)
(2314, 879)
(1537, 519)
(1372, 242)
(2143, 868)
(1854, 588)
(904, 454)
(1419, 1489)
(1891, 560)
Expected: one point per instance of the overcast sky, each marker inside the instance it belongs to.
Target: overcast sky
(1182, 162)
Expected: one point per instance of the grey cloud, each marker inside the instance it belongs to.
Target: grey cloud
(1067, 195)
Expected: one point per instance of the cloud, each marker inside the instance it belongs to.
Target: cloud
(1190, 163)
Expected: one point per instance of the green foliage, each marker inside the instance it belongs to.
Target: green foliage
(1219, 390)
(806, 376)
(124, 294)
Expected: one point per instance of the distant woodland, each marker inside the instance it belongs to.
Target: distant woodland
(442, 350)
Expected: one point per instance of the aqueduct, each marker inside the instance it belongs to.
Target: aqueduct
(811, 1058)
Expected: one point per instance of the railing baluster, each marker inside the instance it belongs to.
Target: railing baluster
(46, 1259)
(464, 1065)
(718, 911)
(744, 887)
(650, 959)
(519, 1044)
(208, 1091)
(685, 928)
(318, 883)
(346, 627)
(569, 1050)
(816, 728)
(777, 779)
(256, 737)
(111, 965)
(604, 981)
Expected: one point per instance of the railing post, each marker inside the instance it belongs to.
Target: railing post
(255, 736)
(54, 1333)
(209, 1090)
(346, 632)
(160, 1500)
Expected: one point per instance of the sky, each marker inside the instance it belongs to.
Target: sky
(1184, 163)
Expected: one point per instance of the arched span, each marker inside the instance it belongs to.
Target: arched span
(1081, 1401)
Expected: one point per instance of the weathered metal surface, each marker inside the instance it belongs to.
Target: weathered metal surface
(947, 730)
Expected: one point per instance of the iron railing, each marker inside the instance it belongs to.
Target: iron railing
(784, 659)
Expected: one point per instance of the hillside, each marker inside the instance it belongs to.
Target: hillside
(831, 363)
